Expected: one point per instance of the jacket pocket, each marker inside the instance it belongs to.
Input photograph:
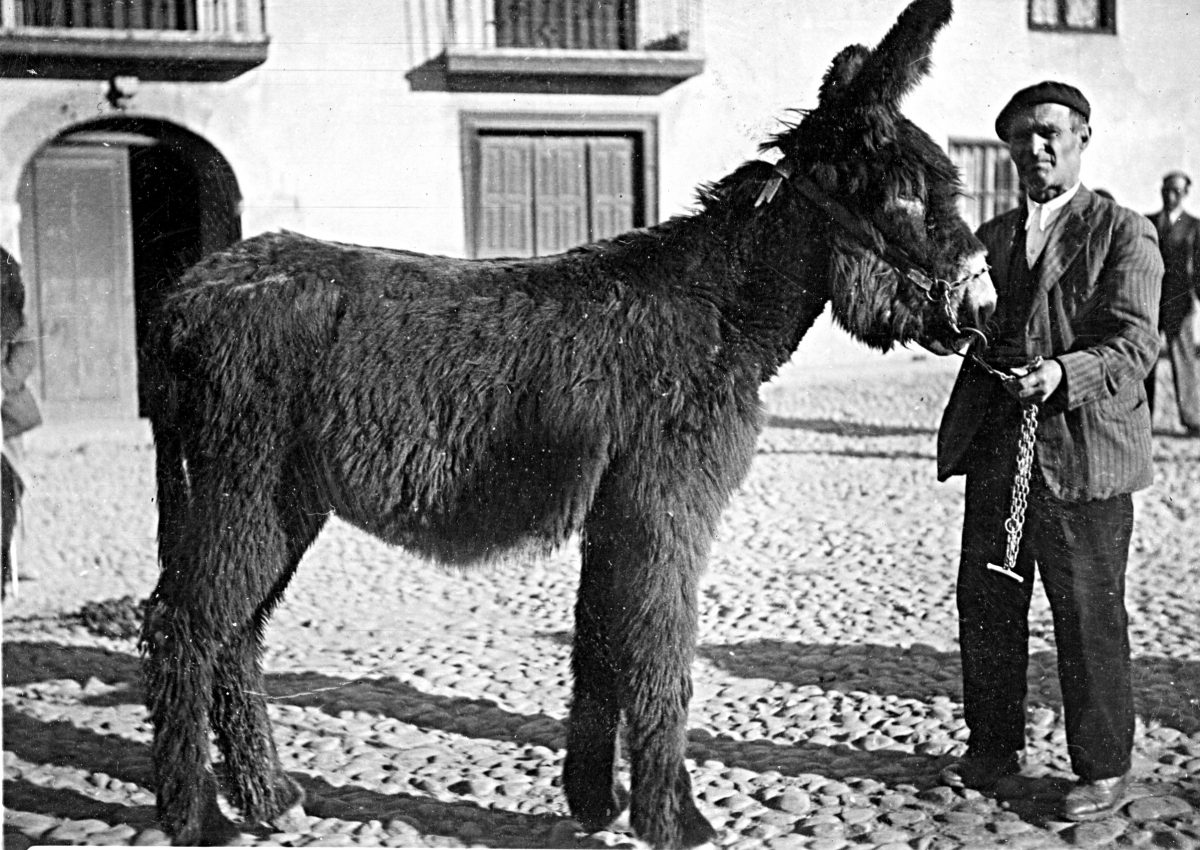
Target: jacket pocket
(1124, 405)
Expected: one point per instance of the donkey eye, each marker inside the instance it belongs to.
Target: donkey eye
(910, 205)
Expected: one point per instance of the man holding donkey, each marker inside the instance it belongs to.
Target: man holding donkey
(1053, 419)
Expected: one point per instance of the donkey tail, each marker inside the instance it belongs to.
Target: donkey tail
(170, 466)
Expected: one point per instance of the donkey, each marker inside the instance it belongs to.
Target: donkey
(463, 408)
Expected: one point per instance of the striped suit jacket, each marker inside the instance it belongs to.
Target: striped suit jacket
(1095, 309)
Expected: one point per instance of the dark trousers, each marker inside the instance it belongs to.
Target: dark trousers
(1080, 549)
(1185, 374)
(10, 500)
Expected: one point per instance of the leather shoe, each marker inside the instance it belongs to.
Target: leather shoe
(1093, 800)
(980, 772)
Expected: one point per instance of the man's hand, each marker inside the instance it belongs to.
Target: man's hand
(1034, 386)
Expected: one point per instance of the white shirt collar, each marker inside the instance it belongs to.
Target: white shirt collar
(1047, 212)
(1174, 215)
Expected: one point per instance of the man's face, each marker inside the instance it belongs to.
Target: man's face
(1174, 190)
(1046, 150)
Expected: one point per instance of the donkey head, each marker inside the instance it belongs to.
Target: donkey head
(904, 265)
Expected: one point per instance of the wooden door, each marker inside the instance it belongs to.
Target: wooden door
(79, 274)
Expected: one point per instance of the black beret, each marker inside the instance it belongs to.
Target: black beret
(1047, 91)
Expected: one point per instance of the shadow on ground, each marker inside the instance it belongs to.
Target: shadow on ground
(842, 428)
(1166, 690)
(47, 743)
(1160, 689)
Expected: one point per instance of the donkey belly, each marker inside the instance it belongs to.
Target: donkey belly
(459, 506)
(461, 425)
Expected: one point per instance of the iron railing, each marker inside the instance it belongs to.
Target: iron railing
(214, 18)
(572, 24)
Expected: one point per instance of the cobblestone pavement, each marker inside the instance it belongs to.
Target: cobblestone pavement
(422, 707)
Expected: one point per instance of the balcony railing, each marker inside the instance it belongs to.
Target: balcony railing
(622, 46)
(573, 24)
(570, 24)
(152, 39)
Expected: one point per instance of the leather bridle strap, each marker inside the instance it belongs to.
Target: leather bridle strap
(861, 231)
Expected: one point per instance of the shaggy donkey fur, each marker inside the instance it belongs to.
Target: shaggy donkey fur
(463, 408)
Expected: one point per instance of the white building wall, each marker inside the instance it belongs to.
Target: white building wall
(329, 136)
(766, 57)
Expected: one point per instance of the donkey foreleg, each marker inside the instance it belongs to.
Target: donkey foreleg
(594, 795)
(644, 565)
(656, 640)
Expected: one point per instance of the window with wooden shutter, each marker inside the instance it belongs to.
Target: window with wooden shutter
(1098, 16)
(990, 182)
(505, 219)
(560, 194)
(612, 187)
(542, 194)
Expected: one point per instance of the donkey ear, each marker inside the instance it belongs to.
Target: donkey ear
(844, 68)
(895, 67)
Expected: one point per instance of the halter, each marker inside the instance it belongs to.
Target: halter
(869, 237)
(935, 289)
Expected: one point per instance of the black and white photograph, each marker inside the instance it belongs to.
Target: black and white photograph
(640, 424)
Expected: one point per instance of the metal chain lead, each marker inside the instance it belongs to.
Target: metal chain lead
(1015, 524)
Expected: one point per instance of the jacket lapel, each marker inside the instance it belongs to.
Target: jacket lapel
(1187, 222)
(1065, 241)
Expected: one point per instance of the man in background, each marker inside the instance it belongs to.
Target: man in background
(18, 408)
(1179, 241)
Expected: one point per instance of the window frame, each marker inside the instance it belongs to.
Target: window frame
(1107, 25)
(974, 194)
(643, 127)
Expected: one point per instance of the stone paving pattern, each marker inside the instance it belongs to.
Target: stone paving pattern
(424, 707)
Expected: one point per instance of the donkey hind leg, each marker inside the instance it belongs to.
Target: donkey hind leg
(254, 778)
(203, 625)
(648, 573)
(595, 796)
(178, 644)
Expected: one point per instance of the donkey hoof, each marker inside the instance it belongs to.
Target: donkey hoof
(211, 829)
(292, 820)
(288, 793)
(613, 813)
(622, 822)
(565, 833)
(223, 833)
(697, 831)
(692, 830)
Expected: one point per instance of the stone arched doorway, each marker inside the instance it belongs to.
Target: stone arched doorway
(112, 213)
